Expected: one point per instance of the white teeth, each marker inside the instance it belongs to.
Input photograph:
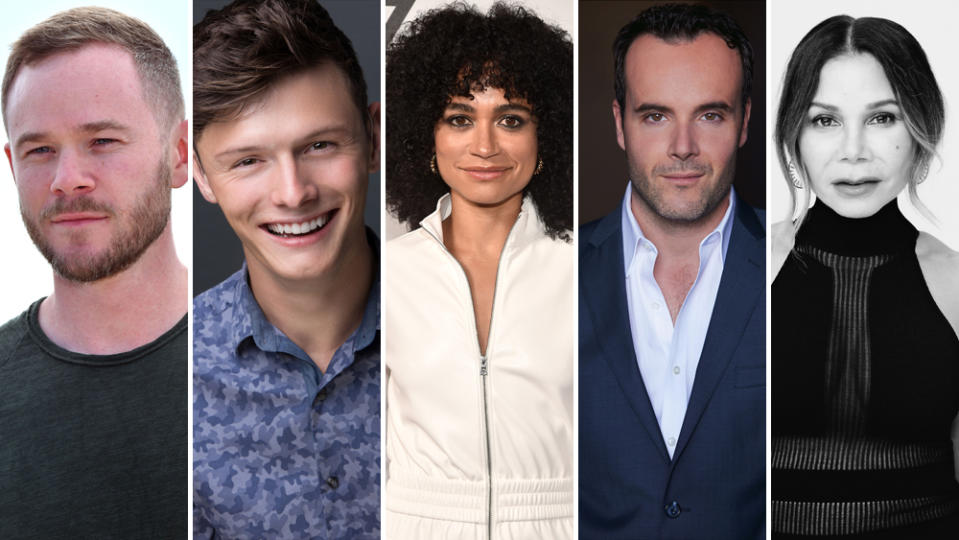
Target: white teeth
(299, 228)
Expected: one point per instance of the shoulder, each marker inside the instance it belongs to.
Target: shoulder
(12, 334)
(783, 237)
(212, 303)
(408, 250)
(216, 314)
(940, 266)
(600, 230)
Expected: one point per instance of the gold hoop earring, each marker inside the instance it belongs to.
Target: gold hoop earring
(539, 167)
(433, 164)
(794, 175)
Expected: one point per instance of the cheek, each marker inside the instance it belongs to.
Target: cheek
(524, 148)
(237, 198)
(815, 152)
(343, 175)
(899, 148)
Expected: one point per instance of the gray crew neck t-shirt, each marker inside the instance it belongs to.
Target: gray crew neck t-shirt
(92, 446)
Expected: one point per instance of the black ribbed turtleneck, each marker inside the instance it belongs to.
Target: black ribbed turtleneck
(887, 231)
(865, 382)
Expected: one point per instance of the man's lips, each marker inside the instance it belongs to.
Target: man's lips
(683, 179)
(299, 227)
(77, 218)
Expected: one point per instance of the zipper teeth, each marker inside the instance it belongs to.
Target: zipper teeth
(489, 455)
(484, 360)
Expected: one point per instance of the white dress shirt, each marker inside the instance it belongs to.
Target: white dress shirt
(668, 355)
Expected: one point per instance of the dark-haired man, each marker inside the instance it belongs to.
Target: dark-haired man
(93, 418)
(672, 303)
(286, 350)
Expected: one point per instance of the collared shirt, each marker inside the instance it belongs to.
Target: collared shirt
(281, 449)
(668, 355)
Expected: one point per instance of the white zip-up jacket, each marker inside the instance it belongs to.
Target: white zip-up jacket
(479, 447)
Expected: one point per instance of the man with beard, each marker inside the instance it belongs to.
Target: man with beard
(672, 303)
(93, 418)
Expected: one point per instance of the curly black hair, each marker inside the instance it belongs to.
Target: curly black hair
(454, 51)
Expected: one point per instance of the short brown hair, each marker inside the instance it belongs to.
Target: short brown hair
(242, 50)
(75, 28)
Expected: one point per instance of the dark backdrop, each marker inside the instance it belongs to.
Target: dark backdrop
(602, 163)
(216, 250)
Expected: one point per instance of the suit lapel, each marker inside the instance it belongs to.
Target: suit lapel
(603, 282)
(742, 281)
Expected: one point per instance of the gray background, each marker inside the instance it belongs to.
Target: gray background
(216, 250)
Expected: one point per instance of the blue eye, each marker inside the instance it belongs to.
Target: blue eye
(39, 150)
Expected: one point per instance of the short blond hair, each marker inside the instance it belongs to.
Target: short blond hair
(78, 27)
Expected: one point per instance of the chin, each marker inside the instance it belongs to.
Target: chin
(855, 209)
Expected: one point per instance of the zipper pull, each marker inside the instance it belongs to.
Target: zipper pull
(483, 366)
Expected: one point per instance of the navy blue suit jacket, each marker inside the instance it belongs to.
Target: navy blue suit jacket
(714, 487)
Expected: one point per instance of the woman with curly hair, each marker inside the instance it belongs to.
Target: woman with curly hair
(479, 296)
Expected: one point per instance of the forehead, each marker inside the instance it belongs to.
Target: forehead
(853, 80)
(93, 83)
(488, 96)
(697, 71)
(295, 106)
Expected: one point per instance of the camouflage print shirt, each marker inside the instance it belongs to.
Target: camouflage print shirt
(280, 449)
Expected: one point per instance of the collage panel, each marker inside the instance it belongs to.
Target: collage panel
(286, 348)
(478, 294)
(672, 304)
(865, 296)
(93, 374)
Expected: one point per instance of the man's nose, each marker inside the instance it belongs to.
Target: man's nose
(684, 144)
(73, 174)
(291, 185)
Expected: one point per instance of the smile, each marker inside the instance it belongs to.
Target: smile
(486, 173)
(301, 228)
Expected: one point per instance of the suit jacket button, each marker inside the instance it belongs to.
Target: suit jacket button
(673, 510)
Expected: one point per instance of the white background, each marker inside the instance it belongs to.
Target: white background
(932, 25)
(26, 276)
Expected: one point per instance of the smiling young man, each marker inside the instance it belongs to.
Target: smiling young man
(93, 418)
(672, 303)
(286, 350)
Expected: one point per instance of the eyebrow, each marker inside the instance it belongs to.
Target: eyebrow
(89, 128)
(506, 107)
(873, 105)
(712, 105)
(335, 129)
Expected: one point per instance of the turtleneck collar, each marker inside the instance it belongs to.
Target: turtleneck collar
(886, 231)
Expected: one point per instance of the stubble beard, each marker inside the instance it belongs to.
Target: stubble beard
(682, 213)
(137, 229)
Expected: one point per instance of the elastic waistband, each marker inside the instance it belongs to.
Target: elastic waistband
(465, 500)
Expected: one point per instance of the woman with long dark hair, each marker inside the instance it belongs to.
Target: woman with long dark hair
(865, 308)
